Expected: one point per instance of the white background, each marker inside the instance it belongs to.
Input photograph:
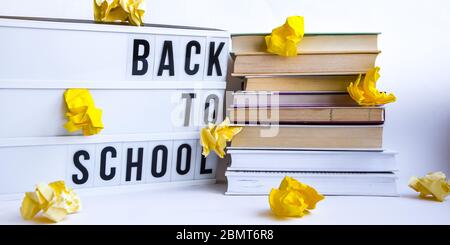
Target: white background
(415, 59)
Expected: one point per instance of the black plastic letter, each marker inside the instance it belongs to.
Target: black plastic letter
(155, 153)
(214, 58)
(79, 166)
(203, 169)
(167, 52)
(140, 58)
(187, 63)
(137, 165)
(188, 159)
(112, 173)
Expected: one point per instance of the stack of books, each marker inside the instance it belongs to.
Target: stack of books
(299, 120)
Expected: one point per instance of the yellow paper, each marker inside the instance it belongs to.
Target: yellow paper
(30, 205)
(367, 93)
(55, 200)
(44, 193)
(66, 197)
(293, 198)
(54, 213)
(432, 185)
(215, 137)
(284, 39)
(81, 112)
(207, 139)
(131, 11)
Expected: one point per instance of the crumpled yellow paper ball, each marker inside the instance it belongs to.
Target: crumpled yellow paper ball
(55, 200)
(215, 137)
(293, 198)
(367, 94)
(81, 112)
(284, 39)
(432, 185)
(131, 11)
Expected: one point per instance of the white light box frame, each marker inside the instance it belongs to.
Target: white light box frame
(157, 86)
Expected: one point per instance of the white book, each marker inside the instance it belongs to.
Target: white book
(298, 160)
(327, 183)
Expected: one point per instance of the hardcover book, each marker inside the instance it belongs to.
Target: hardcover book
(304, 64)
(285, 99)
(310, 137)
(327, 183)
(299, 83)
(312, 43)
(307, 115)
(300, 160)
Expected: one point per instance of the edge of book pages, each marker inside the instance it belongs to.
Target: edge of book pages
(310, 34)
(307, 149)
(234, 54)
(250, 92)
(296, 74)
(313, 123)
(290, 76)
(268, 178)
(245, 150)
(309, 126)
(274, 172)
(234, 106)
(389, 174)
(313, 161)
(260, 127)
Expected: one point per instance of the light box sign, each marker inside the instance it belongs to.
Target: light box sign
(178, 58)
(137, 162)
(67, 51)
(157, 86)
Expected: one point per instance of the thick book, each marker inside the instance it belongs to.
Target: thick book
(304, 64)
(310, 137)
(327, 183)
(298, 160)
(311, 43)
(307, 115)
(299, 83)
(282, 99)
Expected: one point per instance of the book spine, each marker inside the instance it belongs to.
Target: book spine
(307, 115)
(329, 64)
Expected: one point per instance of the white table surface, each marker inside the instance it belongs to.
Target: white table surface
(206, 204)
